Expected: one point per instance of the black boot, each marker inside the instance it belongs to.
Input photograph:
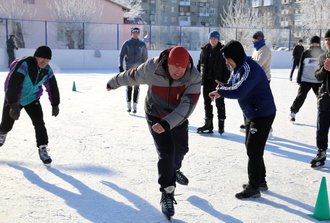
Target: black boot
(208, 126)
(221, 126)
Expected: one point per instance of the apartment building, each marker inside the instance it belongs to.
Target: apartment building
(183, 12)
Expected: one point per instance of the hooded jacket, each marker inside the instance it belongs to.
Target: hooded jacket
(24, 82)
(170, 101)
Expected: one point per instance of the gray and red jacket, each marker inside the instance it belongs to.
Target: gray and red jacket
(171, 101)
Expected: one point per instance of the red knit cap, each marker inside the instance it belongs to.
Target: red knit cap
(178, 56)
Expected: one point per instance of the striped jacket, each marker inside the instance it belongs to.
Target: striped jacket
(171, 101)
(24, 82)
(249, 84)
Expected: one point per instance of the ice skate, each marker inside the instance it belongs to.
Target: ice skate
(262, 186)
(43, 154)
(242, 128)
(129, 107)
(134, 108)
(320, 158)
(181, 178)
(207, 127)
(3, 136)
(292, 117)
(167, 202)
(221, 126)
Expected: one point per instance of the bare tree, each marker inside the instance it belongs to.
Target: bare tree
(239, 22)
(71, 16)
(135, 7)
(315, 15)
(16, 9)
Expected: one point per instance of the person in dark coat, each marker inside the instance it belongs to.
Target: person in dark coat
(248, 84)
(23, 89)
(11, 46)
(306, 75)
(296, 55)
(323, 116)
(214, 71)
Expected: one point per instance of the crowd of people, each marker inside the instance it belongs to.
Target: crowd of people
(174, 86)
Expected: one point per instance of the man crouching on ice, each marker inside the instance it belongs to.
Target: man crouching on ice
(174, 88)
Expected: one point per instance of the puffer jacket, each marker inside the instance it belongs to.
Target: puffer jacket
(323, 75)
(134, 52)
(170, 101)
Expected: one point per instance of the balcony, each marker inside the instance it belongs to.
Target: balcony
(268, 2)
(184, 3)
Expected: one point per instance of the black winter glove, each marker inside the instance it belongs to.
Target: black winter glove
(55, 110)
(14, 111)
(121, 69)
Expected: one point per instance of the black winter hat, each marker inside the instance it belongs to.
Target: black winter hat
(234, 50)
(258, 35)
(44, 52)
(315, 39)
(327, 34)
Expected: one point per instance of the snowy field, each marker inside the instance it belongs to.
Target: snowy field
(104, 163)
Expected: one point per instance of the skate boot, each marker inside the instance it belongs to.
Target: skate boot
(221, 126)
(262, 186)
(248, 192)
(320, 158)
(242, 128)
(167, 201)
(181, 178)
(3, 136)
(43, 154)
(129, 107)
(207, 127)
(292, 117)
(134, 107)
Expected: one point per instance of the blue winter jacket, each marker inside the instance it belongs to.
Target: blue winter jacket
(249, 84)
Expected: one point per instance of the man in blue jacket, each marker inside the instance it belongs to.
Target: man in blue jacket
(248, 84)
(23, 88)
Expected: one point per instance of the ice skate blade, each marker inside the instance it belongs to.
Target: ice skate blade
(205, 132)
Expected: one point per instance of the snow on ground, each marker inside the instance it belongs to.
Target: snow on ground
(104, 163)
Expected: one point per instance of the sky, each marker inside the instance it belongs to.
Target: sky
(105, 163)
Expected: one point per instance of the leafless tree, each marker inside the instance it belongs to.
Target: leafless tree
(239, 22)
(72, 15)
(135, 7)
(13, 10)
(315, 15)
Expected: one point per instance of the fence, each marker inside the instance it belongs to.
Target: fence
(70, 35)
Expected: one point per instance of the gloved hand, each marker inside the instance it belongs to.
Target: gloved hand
(55, 110)
(121, 69)
(14, 111)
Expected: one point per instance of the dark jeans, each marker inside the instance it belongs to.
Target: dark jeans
(294, 65)
(257, 131)
(11, 56)
(171, 147)
(209, 86)
(135, 93)
(323, 124)
(35, 113)
(303, 90)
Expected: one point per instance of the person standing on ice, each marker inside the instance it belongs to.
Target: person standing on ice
(174, 89)
(248, 84)
(23, 89)
(134, 52)
(323, 100)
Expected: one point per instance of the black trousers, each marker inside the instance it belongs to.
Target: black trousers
(209, 86)
(294, 65)
(135, 93)
(303, 90)
(323, 125)
(35, 113)
(257, 131)
(171, 147)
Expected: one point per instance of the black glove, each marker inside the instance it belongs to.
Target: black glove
(14, 111)
(55, 110)
(121, 69)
